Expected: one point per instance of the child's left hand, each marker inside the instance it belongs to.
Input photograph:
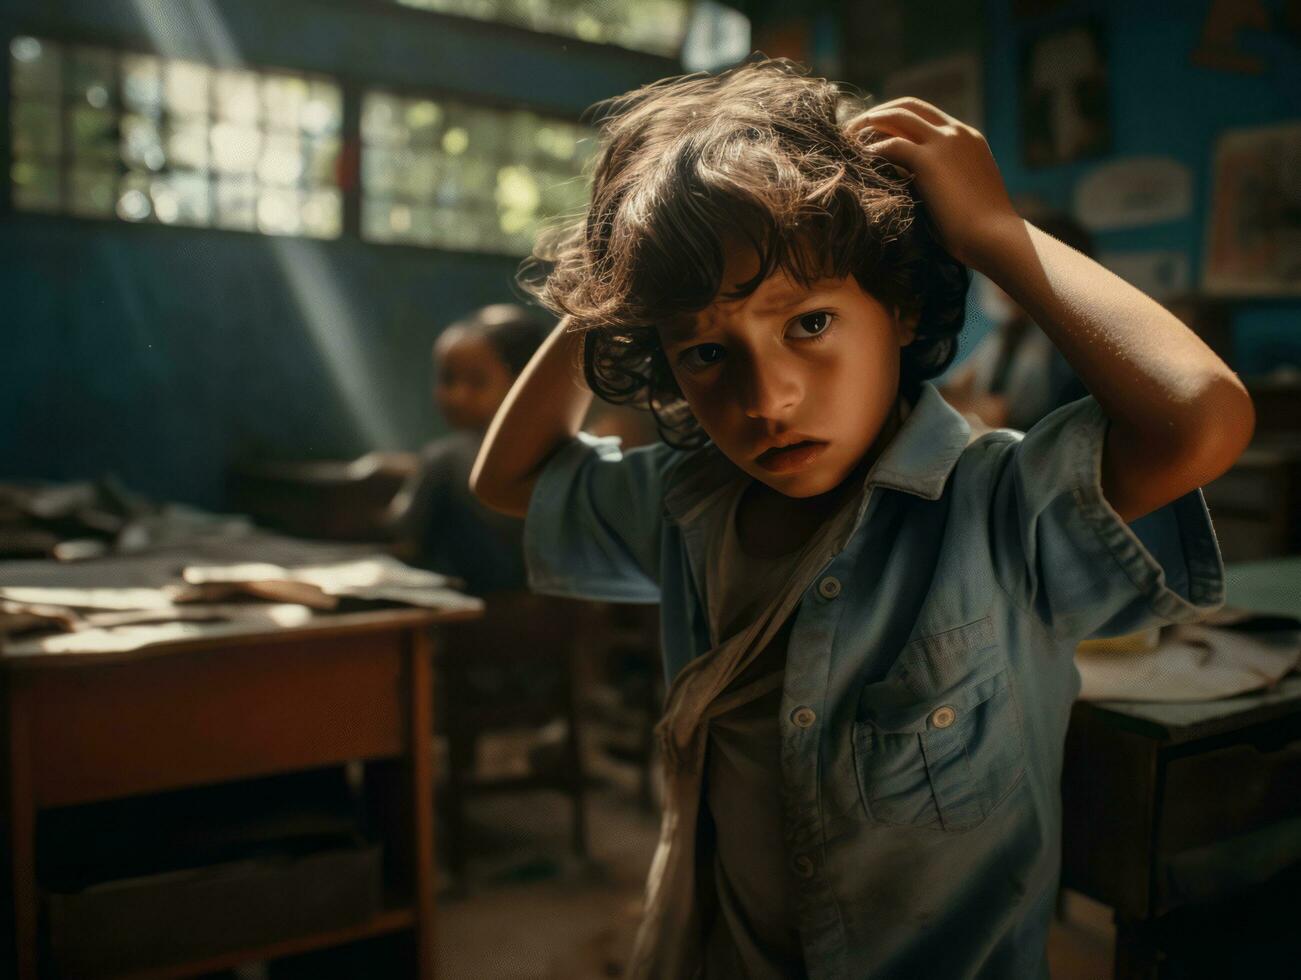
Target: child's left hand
(953, 167)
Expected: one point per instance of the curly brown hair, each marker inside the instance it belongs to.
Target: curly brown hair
(757, 153)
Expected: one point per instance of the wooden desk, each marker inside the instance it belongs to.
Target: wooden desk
(1160, 799)
(87, 727)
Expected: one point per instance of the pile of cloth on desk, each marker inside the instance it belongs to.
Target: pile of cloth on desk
(159, 573)
(1251, 644)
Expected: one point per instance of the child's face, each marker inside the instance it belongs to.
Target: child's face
(470, 380)
(813, 370)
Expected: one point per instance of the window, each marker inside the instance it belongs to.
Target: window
(443, 173)
(100, 133)
(656, 26)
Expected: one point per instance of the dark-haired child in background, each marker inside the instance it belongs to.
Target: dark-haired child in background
(439, 520)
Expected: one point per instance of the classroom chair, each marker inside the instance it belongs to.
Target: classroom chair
(514, 668)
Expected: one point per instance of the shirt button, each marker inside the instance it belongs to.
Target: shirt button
(829, 587)
(803, 717)
(803, 866)
(943, 717)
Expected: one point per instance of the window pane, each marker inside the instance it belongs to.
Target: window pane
(36, 131)
(556, 141)
(279, 211)
(282, 160)
(420, 176)
(237, 97)
(235, 149)
(93, 76)
(187, 88)
(133, 201)
(237, 204)
(142, 144)
(323, 214)
(36, 66)
(424, 120)
(381, 120)
(142, 83)
(35, 186)
(379, 171)
(193, 198)
(375, 220)
(488, 132)
(322, 156)
(517, 194)
(284, 98)
(187, 145)
(478, 179)
(94, 135)
(323, 113)
(92, 193)
(561, 193)
(181, 199)
(424, 226)
(451, 189)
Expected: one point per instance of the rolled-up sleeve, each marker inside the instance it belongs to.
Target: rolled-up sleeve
(1061, 550)
(596, 519)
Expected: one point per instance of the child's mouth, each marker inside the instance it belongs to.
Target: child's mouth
(792, 457)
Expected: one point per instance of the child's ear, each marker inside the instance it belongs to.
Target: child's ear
(905, 325)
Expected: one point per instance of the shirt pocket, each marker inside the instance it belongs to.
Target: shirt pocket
(938, 742)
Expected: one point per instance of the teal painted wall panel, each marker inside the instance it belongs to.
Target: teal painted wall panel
(161, 354)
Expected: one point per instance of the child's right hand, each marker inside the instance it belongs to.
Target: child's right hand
(954, 170)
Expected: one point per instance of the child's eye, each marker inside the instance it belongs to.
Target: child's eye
(809, 325)
(701, 356)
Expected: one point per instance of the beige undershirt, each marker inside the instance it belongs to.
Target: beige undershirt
(751, 928)
(738, 671)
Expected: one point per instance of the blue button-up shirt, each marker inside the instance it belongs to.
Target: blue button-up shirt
(929, 673)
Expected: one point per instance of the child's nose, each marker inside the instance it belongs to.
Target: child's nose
(769, 390)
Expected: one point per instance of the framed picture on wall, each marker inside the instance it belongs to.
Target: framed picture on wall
(1064, 100)
(1253, 239)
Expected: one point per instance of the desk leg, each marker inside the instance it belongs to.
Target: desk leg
(421, 756)
(22, 830)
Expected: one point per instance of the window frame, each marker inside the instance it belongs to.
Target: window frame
(119, 49)
(352, 87)
(444, 95)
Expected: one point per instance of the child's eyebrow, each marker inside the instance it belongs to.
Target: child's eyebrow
(794, 296)
(678, 329)
(682, 328)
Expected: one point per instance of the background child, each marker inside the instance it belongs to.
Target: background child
(475, 360)
(1015, 376)
(868, 619)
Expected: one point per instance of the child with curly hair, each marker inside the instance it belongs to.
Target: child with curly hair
(868, 617)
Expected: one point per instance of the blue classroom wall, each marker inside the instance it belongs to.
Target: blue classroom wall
(1161, 104)
(162, 355)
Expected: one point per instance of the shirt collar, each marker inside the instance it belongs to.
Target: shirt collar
(924, 451)
(918, 460)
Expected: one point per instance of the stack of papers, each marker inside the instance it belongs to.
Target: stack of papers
(204, 600)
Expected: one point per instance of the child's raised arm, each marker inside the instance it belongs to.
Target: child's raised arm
(1178, 415)
(542, 412)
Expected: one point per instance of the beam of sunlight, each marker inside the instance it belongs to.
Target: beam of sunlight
(173, 26)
